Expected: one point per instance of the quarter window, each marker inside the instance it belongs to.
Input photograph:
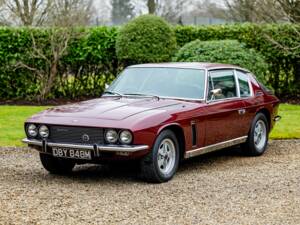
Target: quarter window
(243, 84)
(222, 82)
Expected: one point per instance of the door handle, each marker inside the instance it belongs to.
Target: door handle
(242, 111)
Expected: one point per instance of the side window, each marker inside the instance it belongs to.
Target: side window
(243, 80)
(222, 82)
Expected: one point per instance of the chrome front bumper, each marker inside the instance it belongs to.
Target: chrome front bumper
(97, 148)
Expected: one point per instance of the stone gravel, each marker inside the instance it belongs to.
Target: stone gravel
(219, 188)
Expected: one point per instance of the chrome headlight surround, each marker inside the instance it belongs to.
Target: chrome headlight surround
(125, 137)
(111, 136)
(31, 130)
(44, 131)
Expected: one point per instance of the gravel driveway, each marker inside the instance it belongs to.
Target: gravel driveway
(220, 188)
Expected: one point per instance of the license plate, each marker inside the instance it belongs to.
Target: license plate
(71, 153)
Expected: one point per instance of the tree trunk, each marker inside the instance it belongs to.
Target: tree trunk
(49, 83)
(151, 6)
(297, 73)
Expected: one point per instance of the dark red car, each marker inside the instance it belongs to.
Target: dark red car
(158, 114)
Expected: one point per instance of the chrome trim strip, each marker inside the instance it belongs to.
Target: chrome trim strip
(107, 148)
(237, 83)
(214, 147)
(32, 142)
(122, 148)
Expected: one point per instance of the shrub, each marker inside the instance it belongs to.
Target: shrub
(226, 51)
(284, 66)
(147, 38)
(90, 62)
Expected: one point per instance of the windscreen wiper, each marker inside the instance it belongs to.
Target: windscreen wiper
(143, 95)
(112, 93)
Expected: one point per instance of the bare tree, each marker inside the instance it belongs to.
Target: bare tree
(64, 13)
(25, 12)
(264, 10)
(48, 54)
(171, 10)
(102, 13)
(242, 10)
(291, 9)
(46, 12)
(122, 11)
(208, 9)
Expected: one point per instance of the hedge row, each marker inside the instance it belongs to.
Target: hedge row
(90, 60)
(278, 43)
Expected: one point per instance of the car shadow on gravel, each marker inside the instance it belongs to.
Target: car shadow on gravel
(129, 172)
(217, 157)
(93, 173)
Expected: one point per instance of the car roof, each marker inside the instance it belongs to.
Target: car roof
(189, 65)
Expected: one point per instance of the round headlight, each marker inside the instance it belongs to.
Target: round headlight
(32, 130)
(111, 136)
(126, 137)
(44, 131)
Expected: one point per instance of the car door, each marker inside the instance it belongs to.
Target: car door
(224, 111)
(247, 95)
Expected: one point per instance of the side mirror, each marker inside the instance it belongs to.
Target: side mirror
(106, 86)
(215, 93)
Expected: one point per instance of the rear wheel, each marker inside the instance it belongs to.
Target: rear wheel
(56, 165)
(258, 136)
(161, 163)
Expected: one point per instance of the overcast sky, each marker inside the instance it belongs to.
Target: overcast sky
(103, 7)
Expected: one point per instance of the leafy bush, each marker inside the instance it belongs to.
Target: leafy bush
(147, 38)
(226, 51)
(90, 62)
(284, 65)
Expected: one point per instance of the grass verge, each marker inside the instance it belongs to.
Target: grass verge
(12, 119)
(289, 125)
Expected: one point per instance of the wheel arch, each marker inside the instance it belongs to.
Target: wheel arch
(178, 131)
(267, 114)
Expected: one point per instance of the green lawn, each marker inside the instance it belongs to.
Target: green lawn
(12, 119)
(289, 125)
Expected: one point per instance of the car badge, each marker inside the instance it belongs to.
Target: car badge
(85, 137)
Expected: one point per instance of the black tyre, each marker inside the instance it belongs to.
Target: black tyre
(258, 136)
(56, 165)
(161, 163)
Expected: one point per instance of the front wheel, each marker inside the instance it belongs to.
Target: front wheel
(258, 136)
(161, 163)
(56, 165)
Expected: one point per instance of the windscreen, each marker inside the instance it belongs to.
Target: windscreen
(162, 82)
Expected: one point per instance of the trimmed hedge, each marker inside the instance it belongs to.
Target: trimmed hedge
(91, 59)
(90, 62)
(147, 38)
(226, 51)
(284, 66)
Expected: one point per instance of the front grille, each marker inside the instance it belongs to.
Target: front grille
(76, 135)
